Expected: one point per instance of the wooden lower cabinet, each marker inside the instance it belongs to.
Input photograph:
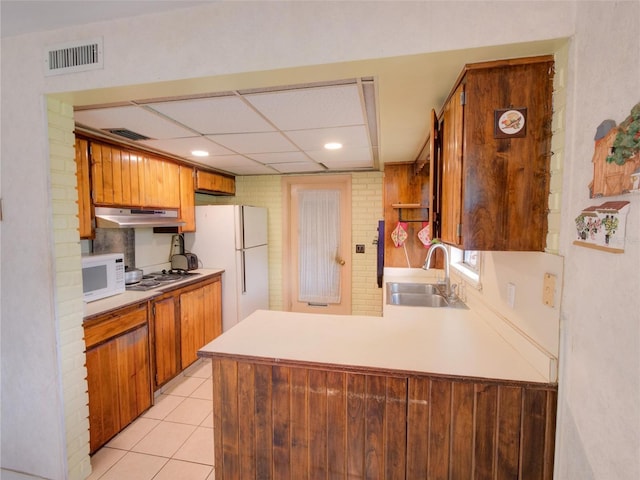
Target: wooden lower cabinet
(183, 321)
(200, 319)
(118, 372)
(165, 340)
(275, 421)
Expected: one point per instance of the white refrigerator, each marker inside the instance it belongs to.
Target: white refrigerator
(234, 237)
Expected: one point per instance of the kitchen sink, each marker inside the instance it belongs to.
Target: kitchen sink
(424, 288)
(420, 295)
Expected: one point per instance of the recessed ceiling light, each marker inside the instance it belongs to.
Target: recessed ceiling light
(199, 153)
(333, 146)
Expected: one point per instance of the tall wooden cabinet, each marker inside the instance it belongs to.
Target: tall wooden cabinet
(495, 148)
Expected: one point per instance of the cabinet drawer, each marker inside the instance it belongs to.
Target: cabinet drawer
(103, 328)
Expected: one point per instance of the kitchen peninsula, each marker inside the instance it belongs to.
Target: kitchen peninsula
(417, 393)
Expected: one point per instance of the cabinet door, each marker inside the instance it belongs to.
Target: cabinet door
(506, 189)
(165, 340)
(187, 199)
(134, 375)
(200, 319)
(212, 311)
(452, 135)
(191, 325)
(162, 183)
(115, 176)
(102, 382)
(84, 189)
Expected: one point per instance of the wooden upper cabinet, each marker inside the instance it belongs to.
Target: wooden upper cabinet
(215, 182)
(84, 189)
(117, 176)
(451, 200)
(187, 198)
(124, 178)
(162, 183)
(495, 184)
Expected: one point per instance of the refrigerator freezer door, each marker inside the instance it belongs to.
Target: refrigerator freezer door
(252, 280)
(252, 227)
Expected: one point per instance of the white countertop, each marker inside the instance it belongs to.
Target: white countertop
(407, 339)
(131, 297)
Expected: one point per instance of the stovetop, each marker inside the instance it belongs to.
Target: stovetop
(156, 279)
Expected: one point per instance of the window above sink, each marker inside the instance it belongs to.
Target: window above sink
(468, 264)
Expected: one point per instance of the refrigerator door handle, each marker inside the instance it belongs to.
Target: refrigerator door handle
(243, 272)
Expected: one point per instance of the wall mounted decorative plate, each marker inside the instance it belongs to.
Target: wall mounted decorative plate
(510, 122)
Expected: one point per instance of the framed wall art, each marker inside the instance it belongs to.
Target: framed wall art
(510, 123)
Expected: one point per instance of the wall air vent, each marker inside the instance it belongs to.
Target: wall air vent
(74, 57)
(123, 132)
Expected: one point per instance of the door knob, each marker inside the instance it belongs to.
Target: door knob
(340, 261)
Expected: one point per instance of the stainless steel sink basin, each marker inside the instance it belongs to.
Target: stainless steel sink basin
(420, 295)
(417, 300)
(424, 288)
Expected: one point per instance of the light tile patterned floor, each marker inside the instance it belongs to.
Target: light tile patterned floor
(172, 440)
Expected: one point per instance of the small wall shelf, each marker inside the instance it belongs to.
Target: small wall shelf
(410, 206)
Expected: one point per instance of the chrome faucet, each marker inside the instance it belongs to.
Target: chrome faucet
(447, 280)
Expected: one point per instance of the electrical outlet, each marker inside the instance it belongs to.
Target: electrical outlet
(359, 248)
(549, 289)
(511, 295)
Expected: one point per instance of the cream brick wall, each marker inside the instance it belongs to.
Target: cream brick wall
(68, 280)
(266, 191)
(557, 147)
(366, 198)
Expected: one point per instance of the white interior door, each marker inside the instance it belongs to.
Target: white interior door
(318, 251)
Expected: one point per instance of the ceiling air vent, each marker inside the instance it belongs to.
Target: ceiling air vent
(74, 57)
(123, 132)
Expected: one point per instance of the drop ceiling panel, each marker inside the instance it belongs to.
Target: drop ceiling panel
(132, 118)
(216, 115)
(315, 139)
(183, 147)
(283, 157)
(298, 167)
(267, 142)
(345, 158)
(311, 107)
(239, 165)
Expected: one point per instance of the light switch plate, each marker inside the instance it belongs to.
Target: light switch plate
(549, 289)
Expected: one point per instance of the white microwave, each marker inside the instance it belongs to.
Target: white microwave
(102, 275)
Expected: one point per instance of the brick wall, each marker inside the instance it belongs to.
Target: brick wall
(557, 147)
(367, 210)
(68, 287)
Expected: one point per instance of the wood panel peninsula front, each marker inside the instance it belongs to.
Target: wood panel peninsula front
(432, 396)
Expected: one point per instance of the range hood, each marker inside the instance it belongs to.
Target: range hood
(136, 217)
